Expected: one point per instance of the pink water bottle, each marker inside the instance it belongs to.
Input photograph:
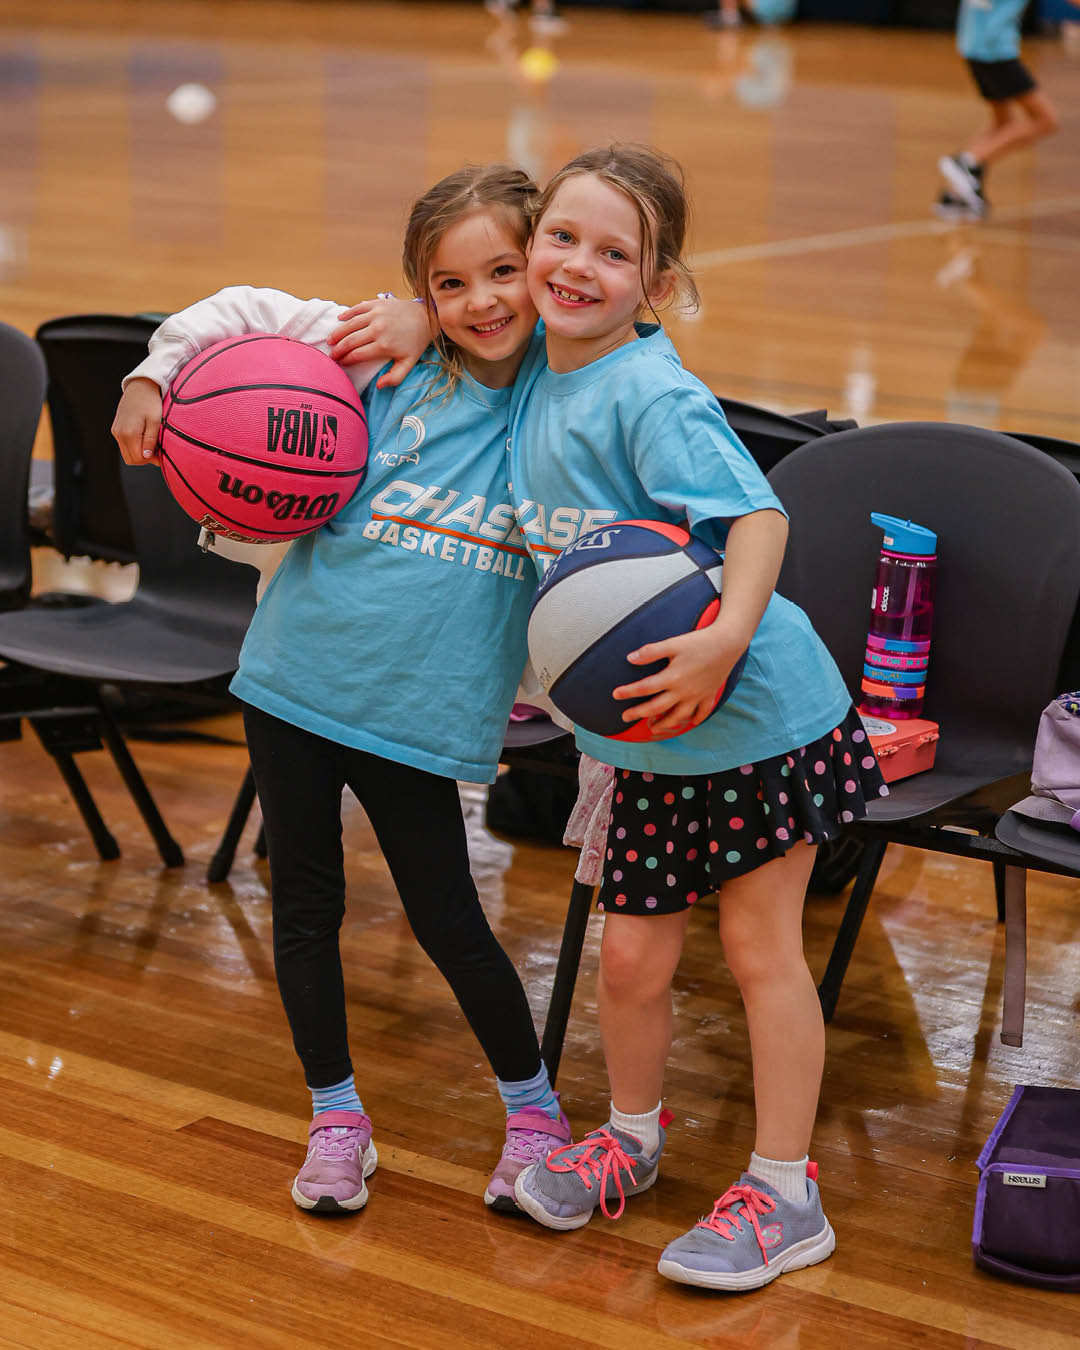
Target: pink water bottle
(901, 619)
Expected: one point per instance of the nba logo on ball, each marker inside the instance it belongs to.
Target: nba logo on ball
(262, 438)
(607, 594)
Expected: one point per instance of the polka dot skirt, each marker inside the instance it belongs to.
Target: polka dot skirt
(675, 838)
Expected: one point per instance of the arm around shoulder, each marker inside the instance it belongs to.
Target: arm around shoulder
(232, 312)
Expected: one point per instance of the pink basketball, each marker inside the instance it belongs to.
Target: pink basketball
(262, 438)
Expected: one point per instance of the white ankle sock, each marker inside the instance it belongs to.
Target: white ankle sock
(789, 1178)
(645, 1128)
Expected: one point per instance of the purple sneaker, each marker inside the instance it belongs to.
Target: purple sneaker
(340, 1156)
(531, 1134)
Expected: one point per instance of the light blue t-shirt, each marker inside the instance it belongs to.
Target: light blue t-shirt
(634, 436)
(989, 30)
(399, 626)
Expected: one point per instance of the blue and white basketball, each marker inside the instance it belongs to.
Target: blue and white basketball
(607, 594)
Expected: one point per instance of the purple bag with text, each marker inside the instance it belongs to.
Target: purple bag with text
(1027, 1210)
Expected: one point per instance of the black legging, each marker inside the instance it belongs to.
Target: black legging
(418, 822)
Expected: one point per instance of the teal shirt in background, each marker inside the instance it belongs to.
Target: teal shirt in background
(989, 30)
(399, 627)
(635, 436)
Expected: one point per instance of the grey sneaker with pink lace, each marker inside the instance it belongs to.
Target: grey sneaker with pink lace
(531, 1135)
(607, 1165)
(752, 1235)
(340, 1158)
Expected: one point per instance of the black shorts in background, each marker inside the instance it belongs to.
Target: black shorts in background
(1002, 80)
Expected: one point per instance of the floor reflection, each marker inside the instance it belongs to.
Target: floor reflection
(1005, 338)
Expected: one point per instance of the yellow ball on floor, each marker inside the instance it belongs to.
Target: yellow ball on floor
(538, 64)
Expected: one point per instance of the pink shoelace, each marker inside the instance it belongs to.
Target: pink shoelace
(724, 1221)
(601, 1156)
(338, 1143)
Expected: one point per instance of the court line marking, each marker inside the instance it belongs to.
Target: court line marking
(867, 234)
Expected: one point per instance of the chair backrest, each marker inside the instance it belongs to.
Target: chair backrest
(819, 417)
(175, 575)
(768, 435)
(1008, 524)
(22, 392)
(87, 356)
(1067, 453)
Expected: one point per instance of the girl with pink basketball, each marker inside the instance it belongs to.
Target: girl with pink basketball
(615, 428)
(345, 679)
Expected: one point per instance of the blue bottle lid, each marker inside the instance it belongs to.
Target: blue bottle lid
(904, 536)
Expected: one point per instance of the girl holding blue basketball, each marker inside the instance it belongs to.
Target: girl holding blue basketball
(386, 652)
(614, 428)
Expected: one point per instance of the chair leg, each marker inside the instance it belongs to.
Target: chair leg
(562, 991)
(222, 860)
(169, 849)
(829, 988)
(1012, 1012)
(260, 842)
(999, 887)
(106, 845)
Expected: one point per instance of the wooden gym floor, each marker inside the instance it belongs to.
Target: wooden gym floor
(152, 1110)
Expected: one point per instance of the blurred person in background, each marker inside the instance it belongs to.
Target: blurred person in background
(988, 37)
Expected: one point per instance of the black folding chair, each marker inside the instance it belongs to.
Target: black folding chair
(1067, 453)
(1008, 525)
(87, 355)
(182, 628)
(769, 436)
(1038, 846)
(22, 393)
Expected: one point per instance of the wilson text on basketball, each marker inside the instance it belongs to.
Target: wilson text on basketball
(281, 505)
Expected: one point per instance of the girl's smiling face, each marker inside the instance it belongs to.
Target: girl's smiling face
(585, 271)
(477, 281)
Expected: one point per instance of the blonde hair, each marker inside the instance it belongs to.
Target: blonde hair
(653, 182)
(499, 188)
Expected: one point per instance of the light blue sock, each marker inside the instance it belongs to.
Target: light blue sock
(536, 1092)
(338, 1097)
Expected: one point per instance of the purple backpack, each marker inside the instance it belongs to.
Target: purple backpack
(1027, 1210)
